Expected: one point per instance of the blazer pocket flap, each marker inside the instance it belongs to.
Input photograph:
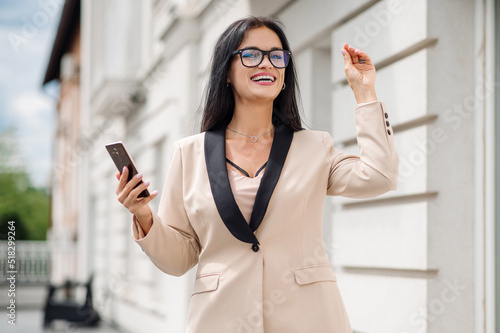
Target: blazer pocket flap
(206, 283)
(308, 275)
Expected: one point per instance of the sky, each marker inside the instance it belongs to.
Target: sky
(27, 32)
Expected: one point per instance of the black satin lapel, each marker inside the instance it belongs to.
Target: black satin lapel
(215, 158)
(283, 136)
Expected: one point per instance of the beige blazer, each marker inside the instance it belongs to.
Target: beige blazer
(273, 274)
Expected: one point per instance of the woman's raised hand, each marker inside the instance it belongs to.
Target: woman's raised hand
(129, 197)
(360, 73)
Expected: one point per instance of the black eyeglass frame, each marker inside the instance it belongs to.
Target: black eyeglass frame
(264, 53)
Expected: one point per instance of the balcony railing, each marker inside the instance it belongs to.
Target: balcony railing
(32, 262)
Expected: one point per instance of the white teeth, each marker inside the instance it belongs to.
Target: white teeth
(263, 78)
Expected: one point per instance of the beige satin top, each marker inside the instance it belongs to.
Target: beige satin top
(244, 191)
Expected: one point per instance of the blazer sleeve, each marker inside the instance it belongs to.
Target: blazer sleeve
(375, 171)
(171, 243)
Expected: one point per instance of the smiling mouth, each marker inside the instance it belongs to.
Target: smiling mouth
(263, 78)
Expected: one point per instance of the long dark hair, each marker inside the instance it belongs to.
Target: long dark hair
(219, 99)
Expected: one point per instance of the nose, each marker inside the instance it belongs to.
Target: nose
(266, 63)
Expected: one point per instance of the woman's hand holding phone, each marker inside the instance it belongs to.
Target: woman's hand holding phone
(128, 195)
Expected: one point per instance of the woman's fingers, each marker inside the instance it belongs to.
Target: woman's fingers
(353, 56)
(347, 56)
(350, 55)
(123, 181)
(135, 202)
(134, 194)
(124, 188)
(364, 58)
(128, 193)
(359, 70)
(151, 197)
(133, 182)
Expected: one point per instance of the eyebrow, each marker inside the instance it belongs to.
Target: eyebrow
(255, 47)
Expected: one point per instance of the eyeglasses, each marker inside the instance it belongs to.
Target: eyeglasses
(252, 57)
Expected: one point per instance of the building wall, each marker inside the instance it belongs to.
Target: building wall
(393, 252)
(404, 261)
(65, 208)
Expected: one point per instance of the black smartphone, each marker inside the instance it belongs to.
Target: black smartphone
(122, 159)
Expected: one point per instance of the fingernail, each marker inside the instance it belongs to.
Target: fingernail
(155, 192)
(342, 51)
(123, 170)
(139, 175)
(147, 182)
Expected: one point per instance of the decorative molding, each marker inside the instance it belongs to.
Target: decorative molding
(117, 97)
(429, 273)
(391, 200)
(412, 123)
(423, 44)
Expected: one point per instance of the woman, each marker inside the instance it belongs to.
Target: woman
(244, 198)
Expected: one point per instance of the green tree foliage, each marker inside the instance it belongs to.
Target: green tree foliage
(28, 206)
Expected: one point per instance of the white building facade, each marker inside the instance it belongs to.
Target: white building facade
(420, 259)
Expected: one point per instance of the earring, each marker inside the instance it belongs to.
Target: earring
(227, 85)
(284, 86)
